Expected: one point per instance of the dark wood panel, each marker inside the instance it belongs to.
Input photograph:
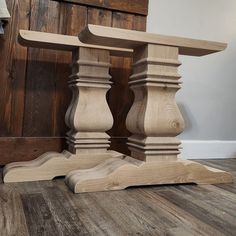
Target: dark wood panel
(73, 18)
(139, 23)
(99, 16)
(41, 73)
(18, 149)
(12, 69)
(34, 95)
(131, 6)
(48, 70)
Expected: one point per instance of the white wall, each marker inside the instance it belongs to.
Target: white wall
(208, 97)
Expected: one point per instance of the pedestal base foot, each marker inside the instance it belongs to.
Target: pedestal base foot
(53, 164)
(120, 173)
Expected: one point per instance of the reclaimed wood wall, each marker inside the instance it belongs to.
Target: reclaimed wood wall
(33, 82)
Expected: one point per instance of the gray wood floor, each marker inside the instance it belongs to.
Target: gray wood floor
(49, 208)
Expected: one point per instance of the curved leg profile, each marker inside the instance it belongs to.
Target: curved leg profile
(155, 121)
(52, 164)
(115, 174)
(88, 117)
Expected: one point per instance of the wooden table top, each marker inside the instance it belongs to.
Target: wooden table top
(63, 42)
(113, 37)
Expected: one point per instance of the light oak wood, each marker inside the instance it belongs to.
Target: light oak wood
(38, 39)
(116, 174)
(154, 119)
(88, 118)
(53, 164)
(106, 36)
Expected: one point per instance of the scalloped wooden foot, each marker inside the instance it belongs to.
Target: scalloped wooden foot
(53, 164)
(118, 173)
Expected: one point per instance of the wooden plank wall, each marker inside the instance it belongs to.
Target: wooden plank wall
(33, 83)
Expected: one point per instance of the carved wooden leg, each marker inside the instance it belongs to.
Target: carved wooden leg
(88, 117)
(155, 121)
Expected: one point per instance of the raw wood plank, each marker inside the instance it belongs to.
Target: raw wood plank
(37, 39)
(116, 174)
(131, 6)
(12, 67)
(39, 218)
(25, 149)
(88, 148)
(132, 39)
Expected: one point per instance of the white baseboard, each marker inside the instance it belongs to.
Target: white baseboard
(211, 149)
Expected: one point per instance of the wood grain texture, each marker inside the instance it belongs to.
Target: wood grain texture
(28, 87)
(183, 199)
(68, 220)
(41, 82)
(106, 36)
(37, 210)
(99, 16)
(12, 220)
(161, 210)
(132, 6)
(43, 40)
(28, 148)
(53, 164)
(154, 118)
(116, 174)
(87, 140)
(13, 68)
(89, 83)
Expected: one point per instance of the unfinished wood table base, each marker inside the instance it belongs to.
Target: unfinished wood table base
(88, 117)
(118, 173)
(154, 119)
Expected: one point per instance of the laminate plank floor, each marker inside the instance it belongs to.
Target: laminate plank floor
(50, 208)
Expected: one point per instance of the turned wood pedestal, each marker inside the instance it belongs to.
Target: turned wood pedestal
(88, 115)
(154, 119)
